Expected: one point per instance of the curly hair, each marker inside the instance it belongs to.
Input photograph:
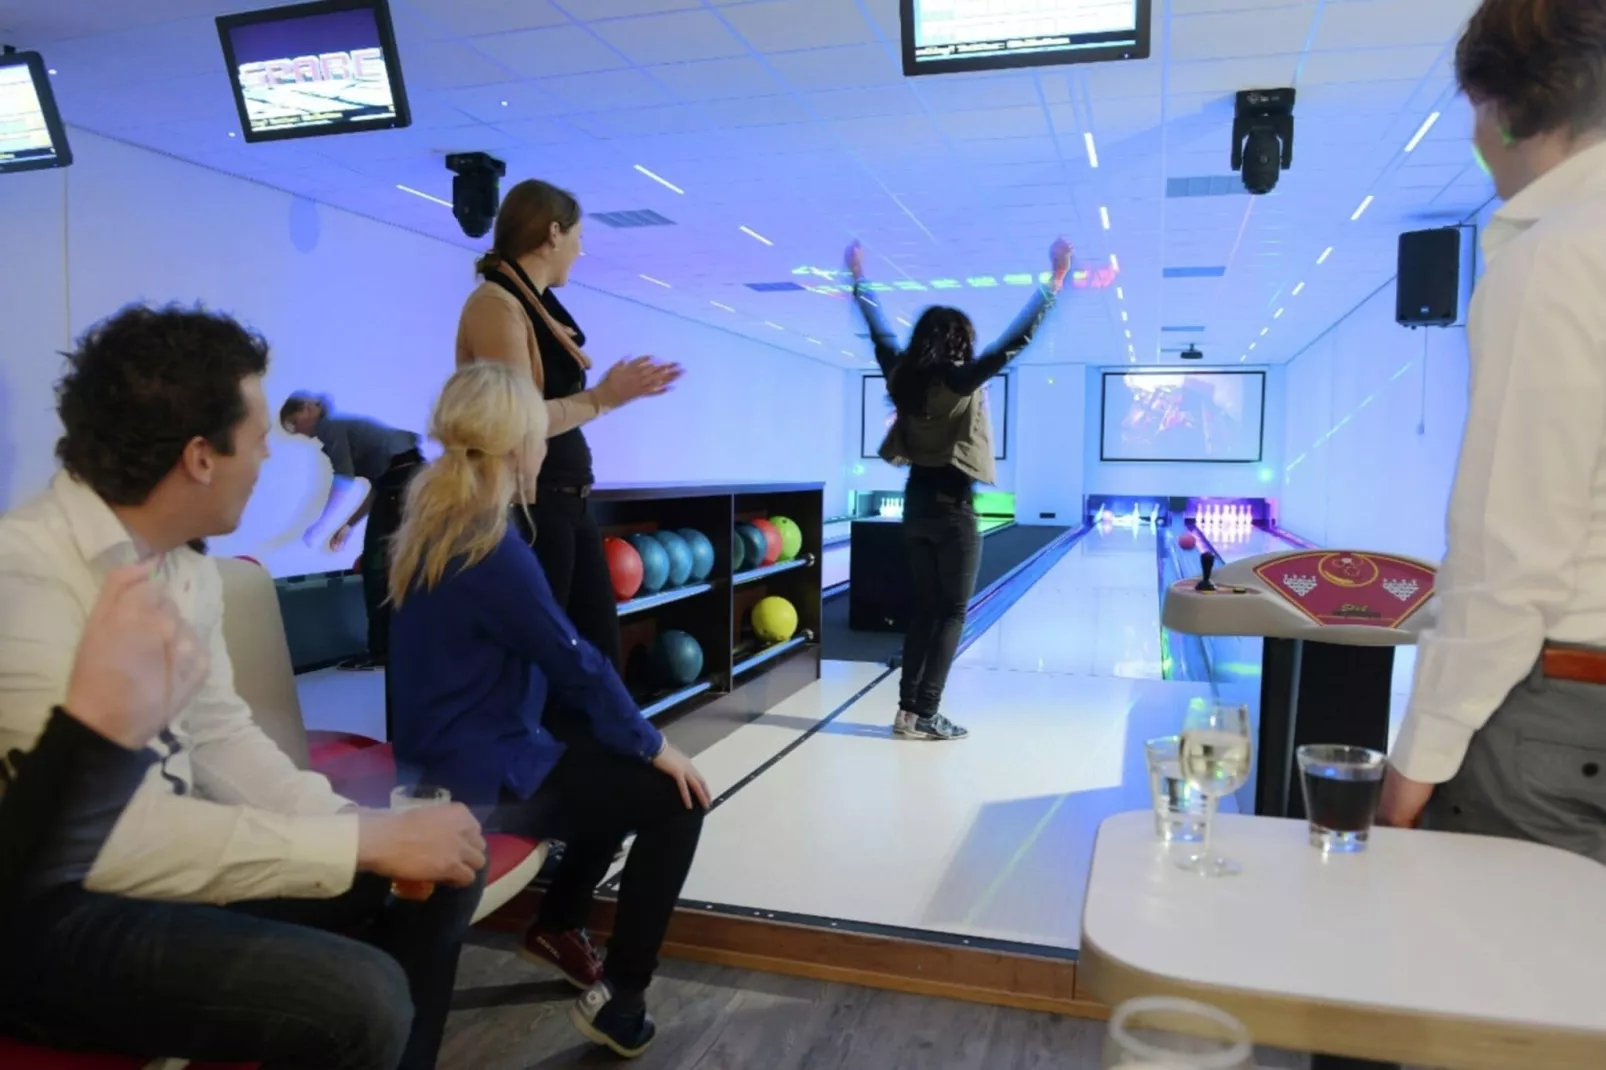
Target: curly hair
(143, 384)
(942, 338)
(1542, 63)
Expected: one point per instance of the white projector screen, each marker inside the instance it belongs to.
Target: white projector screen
(1210, 417)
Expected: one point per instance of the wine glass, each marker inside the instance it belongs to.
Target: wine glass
(1166, 1033)
(1215, 762)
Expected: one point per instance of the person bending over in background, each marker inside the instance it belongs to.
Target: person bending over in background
(360, 448)
(1505, 734)
(238, 868)
(941, 432)
(136, 663)
(514, 318)
(481, 644)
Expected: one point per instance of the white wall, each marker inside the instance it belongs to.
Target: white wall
(1375, 415)
(1186, 480)
(1050, 406)
(362, 311)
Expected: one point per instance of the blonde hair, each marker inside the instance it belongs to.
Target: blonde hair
(492, 423)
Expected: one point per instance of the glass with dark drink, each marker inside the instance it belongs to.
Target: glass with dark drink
(1342, 788)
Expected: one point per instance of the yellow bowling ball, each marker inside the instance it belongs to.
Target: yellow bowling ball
(774, 620)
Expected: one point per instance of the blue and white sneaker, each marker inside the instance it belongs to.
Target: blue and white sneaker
(904, 724)
(937, 727)
(602, 1020)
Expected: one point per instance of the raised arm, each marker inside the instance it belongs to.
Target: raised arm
(968, 378)
(881, 336)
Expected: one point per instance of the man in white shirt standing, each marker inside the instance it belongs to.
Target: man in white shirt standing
(1506, 731)
(213, 917)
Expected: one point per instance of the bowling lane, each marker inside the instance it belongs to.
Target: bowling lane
(1095, 613)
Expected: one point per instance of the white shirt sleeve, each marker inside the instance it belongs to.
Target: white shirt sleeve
(1520, 507)
(166, 845)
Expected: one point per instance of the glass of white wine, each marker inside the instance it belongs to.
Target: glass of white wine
(1215, 762)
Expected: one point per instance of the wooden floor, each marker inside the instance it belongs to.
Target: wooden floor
(510, 1017)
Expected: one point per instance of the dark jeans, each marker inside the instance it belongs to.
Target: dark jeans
(569, 545)
(384, 518)
(266, 982)
(944, 551)
(592, 801)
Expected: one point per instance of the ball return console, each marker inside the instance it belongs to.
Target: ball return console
(1330, 620)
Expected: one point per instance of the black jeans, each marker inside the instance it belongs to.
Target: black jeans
(384, 518)
(569, 545)
(944, 550)
(592, 801)
(267, 982)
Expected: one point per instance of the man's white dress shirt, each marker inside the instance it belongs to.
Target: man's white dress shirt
(224, 815)
(1526, 557)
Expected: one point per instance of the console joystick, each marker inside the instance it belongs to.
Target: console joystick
(1207, 560)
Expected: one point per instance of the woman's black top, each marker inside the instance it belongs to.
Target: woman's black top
(568, 456)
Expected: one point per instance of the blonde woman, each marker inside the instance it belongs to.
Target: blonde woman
(479, 645)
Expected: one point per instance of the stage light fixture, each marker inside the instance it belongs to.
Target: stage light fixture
(1263, 137)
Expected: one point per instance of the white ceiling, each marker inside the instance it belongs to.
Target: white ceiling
(792, 118)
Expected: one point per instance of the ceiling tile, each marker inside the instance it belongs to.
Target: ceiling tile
(675, 38)
(556, 51)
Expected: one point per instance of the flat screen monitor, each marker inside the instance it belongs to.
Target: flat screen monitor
(940, 36)
(877, 414)
(1209, 417)
(314, 69)
(31, 134)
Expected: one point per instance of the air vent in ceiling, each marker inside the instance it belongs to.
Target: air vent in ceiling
(1183, 330)
(1194, 272)
(773, 287)
(1205, 186)
(641, 217)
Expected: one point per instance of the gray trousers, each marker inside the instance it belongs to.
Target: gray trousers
(1536, 771)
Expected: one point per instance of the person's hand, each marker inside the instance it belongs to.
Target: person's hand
(854, 259)
(138, 662)
(440, 844)
(675, 765)
(338, 540)
(1403, 800)
(1059, 255)
(638, 377)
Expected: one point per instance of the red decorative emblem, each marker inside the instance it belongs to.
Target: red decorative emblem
(1350, 586)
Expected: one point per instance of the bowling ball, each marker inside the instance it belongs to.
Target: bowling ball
(624, 568)
(654, 562)
(772, 541)
(679, 556)
(738, 550)
(677, 659)
(791, 537)
(1188, 542)
(774, 620)
(702, 553)
(756, 546)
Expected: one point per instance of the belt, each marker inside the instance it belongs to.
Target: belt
(571, 491)
(1580, 664)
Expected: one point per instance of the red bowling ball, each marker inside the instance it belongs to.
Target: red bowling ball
(772, 540)
(624, 568)
(1188, 542)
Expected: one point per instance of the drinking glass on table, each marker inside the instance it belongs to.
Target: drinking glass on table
(415, 797)
(1342, 788)
(1215, 762)
(1180, 812)
(1165, 1033)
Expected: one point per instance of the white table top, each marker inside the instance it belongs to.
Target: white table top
(1423, 923)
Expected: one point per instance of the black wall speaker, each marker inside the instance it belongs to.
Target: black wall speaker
(1428, 290)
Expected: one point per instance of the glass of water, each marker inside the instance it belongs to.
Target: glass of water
(416, 797)
(1180, 812)
(1215, 758)
(1164, 1033)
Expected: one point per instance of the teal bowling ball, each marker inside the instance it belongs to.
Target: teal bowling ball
(654, 562)
(755, 546)
(679, 556)
(702, 553)
(738, 552)
(677, 659)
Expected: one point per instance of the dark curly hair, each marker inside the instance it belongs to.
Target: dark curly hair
(1542, 63)
(942, 338)
(143, 384)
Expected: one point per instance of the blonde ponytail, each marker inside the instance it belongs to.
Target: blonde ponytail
(492, 425)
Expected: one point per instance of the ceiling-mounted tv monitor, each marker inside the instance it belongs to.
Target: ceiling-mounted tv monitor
(315, 69)
(31, 134)
(940, 36)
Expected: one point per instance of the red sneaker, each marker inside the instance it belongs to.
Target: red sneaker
(570, 953)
